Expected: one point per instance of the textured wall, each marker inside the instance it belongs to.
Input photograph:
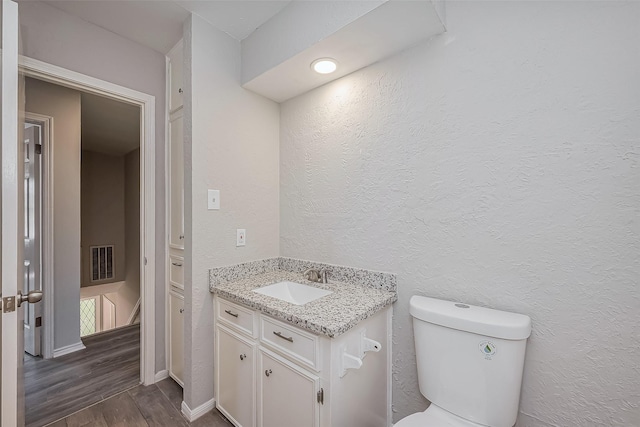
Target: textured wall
(231, 144)
(53, 36)
(498, 165)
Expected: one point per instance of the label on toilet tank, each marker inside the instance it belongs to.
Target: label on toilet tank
(487, 348)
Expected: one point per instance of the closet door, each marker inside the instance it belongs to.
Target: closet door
(176, 337)
(176, 186)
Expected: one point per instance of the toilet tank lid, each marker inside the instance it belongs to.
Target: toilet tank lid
(470, 318)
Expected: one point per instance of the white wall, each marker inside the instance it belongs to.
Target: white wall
(231, 144)
(63, 105)
(496, 165)
(58, 38)
(131, 290)
(126, 296)
(102, 211)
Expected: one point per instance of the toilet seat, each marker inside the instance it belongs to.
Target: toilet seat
(435, 416)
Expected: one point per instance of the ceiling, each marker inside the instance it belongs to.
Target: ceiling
(108, 126)
(158, 23)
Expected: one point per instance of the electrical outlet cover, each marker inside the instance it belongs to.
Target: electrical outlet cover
(241, 236)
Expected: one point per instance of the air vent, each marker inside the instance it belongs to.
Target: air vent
(101, 263)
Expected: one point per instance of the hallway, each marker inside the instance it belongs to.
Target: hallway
(155, 405)
(59, 387)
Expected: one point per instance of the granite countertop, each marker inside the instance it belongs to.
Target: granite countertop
(331, 315)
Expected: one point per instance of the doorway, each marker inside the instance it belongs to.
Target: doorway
(146, 103)
(109, 214)
(94, 151)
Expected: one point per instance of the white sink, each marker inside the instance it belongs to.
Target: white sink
(294, 293)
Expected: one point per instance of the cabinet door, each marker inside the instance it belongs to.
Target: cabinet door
(287, 394)
(176, 331)
(235, 377)
(176, 184)
(175, 63)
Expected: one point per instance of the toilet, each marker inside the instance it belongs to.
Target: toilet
(470, 361)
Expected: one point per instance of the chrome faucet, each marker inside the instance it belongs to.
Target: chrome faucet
(316, 276)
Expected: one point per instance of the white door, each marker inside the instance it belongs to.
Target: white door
(32, 234)
(176, 332)
(11, 248)
(176, 179)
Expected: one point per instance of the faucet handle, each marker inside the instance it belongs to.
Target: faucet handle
(311, 275)
(323, 275)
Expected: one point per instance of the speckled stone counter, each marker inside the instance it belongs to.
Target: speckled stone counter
(332, 315)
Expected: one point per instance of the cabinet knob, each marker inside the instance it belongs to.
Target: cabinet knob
(268, 372)
(181, 236)
(180, 90)
(182, 310)
(243, 356)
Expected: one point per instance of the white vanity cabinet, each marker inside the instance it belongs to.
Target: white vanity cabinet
(269, 373)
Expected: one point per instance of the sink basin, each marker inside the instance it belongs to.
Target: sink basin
(294, 293)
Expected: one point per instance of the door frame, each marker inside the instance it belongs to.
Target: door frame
(46, 228)
(46, 205)
(74, 80)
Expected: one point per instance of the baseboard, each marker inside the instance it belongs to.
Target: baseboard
(193, 414)
(162, 375)
(57, 352)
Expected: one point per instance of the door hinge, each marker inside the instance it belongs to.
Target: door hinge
(321, 396)
(38, 148)
(8, 304)
(38, 321)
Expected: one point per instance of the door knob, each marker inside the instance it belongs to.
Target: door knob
(32, 297)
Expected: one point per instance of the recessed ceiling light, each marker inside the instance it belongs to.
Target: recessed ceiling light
(324, 65)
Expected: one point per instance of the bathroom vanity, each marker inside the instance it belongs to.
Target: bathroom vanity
(323, 363)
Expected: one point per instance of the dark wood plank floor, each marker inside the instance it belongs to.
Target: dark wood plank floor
(59, 387)
(155, 405)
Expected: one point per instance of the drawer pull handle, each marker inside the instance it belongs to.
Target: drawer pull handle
(231, 313)
(268, 372)
(279, 334)
(177, 264)
(243, 356)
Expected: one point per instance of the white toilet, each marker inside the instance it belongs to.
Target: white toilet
(470, 362)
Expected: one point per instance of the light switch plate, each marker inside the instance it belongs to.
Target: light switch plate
(241, 236)
(213, 199)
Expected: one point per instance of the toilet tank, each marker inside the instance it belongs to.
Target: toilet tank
(470, 359)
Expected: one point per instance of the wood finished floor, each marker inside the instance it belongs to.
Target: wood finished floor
(155, 405)
(58, 387)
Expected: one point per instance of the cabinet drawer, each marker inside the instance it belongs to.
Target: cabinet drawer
(176, 271)
(239, 318)
(293, 342)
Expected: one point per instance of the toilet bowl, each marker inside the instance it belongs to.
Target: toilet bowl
(435, 416)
